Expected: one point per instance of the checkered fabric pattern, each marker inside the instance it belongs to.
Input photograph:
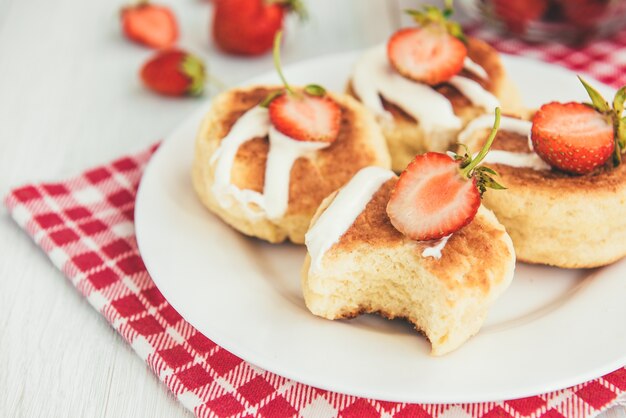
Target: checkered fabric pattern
(604, 60)
(85, 225)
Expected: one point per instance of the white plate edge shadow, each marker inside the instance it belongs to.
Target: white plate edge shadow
(268, 363)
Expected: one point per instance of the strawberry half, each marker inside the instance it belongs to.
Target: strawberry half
(572, 137)
(174, 73)
(432, 199)
(149, 24)
(429, 55)
(577, 138)
(437, 195)
(305, 117)
(308, 115)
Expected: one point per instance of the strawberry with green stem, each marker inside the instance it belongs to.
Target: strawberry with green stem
(432, 53)
(577, 138)
(437, 195)
(307, 115)
(174, 72)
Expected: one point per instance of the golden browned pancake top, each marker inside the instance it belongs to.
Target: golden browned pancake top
(466, 258)
(478, 51)
(311, 181)
(603, 179)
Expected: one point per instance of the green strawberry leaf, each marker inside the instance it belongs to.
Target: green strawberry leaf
(621, 133)
(448, 8)
(456, 30)
(266, 102)
(485, 181)
(296, 6)
(618, 101)
(433, 15)
(315, 90)
(193, 68)
(597, 100)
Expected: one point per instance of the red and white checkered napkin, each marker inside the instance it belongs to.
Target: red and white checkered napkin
(604, 60)
(85, 225)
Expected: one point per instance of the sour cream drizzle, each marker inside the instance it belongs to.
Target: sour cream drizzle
(514, 159)
(283, 153)
(374, 76)
(347, 205)
(434, 251)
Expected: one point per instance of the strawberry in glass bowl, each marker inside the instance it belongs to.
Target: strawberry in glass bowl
(569, 21)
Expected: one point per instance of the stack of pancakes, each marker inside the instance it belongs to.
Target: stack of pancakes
(552, 218)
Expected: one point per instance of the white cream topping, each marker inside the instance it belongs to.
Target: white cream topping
(516, 159)
(252, 124)
(374, 76)
(283, 152)
(348, 204)
(475, 93)
(518, 126)
(435, 250)
(513, 159)
(475, 68)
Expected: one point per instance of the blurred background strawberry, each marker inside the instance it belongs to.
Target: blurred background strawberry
(149, 24)
(248, 27)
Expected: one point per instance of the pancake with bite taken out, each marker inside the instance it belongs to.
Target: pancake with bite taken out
(443, 288)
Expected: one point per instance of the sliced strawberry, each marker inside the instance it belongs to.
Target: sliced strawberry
(432, 199)
(517, 14)
(305, 117)
(149, 24)
(174, 73)
(428, 54)
(572, 137)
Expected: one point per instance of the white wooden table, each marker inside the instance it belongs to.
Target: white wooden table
(70, 98)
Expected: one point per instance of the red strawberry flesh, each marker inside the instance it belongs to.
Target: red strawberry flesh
(572, 137)
(306, 118)
(432, 199)
(150, 24)
(429, 54)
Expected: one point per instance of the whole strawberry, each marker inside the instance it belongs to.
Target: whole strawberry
(577, 138)
(437, 195)
(585, 13)
(431, 53)
(174, 72)
(150, 24)
(248, 27)
(517, 14)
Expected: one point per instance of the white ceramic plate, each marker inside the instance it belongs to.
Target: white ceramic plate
(553, 328)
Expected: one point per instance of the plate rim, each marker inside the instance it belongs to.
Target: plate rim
(269, 365)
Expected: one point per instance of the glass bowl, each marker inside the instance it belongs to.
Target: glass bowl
(569, 21)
